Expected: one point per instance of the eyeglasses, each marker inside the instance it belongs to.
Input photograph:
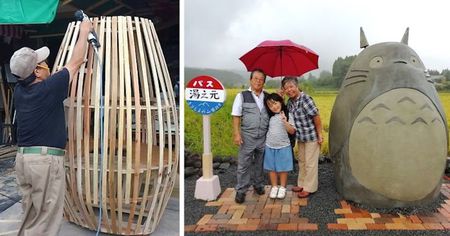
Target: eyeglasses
(43, 67)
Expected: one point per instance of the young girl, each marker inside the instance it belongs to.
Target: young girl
(278, 150)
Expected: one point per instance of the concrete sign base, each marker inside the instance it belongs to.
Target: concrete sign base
(207, 189)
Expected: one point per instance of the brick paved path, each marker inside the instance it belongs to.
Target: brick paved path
(263, 213)
(359, 219)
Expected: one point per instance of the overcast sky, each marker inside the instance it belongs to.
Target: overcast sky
(218, 32)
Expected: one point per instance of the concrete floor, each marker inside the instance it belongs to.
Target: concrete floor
(169, 224)
(11, 208)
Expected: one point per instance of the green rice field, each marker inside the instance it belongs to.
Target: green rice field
(221, 123)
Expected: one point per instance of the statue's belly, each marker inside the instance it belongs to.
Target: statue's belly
(398, 145)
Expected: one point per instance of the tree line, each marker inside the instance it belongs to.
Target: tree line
(333, 79)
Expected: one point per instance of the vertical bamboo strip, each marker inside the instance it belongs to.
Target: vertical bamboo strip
(86, 130)
(144, 83)
(96, 103)
(137, 118)
(121, 121)
(70, 152)
(103, 83)
(113, 126)
(63, 47)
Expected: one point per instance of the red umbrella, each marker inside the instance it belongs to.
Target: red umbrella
(281, 58)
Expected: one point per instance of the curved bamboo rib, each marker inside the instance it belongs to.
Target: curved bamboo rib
(140, 129)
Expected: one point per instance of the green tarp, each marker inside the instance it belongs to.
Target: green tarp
(27, 11)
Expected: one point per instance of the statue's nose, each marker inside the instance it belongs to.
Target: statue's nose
(400, 61)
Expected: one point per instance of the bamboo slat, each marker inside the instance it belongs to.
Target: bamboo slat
(121, 119)
(140, 141)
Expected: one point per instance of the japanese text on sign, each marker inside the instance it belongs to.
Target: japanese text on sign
(205, 94)
(198, 94)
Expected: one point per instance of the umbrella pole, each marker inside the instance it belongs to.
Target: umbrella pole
(281, 60)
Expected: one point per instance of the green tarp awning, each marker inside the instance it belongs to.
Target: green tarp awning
(27, 11)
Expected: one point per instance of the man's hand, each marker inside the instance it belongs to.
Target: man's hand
(237, 130)
(318, 126)
(86, 26)
(237, 139)
(80, 48)
(320, 138)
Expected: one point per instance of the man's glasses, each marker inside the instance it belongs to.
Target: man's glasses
(43, 67)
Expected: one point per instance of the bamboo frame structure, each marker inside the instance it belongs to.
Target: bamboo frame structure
(122, 129)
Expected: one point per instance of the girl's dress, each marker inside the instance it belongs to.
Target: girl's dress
(278, 150)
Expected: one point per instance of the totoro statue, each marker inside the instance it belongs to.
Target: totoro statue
(388, 131)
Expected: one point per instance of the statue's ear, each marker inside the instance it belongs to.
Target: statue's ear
(362, 39)
(405, 36)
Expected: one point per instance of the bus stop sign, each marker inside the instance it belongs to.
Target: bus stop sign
(205, 94)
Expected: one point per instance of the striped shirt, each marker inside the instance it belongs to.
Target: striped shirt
(304, 109)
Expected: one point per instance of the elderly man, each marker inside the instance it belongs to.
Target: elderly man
(309, 136)
(41, 133)
(250, 123)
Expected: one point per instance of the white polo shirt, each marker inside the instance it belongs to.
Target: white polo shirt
(237, 104)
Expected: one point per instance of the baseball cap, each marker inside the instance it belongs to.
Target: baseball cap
(25, 60)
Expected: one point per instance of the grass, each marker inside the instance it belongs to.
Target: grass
(221, 129)
(445, 101)
(221, 123)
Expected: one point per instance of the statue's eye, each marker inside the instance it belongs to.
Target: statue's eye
(376, 62)
(414, 61)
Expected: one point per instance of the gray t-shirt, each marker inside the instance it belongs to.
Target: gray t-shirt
(277, 136)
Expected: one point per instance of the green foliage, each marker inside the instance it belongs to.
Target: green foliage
(445, 101)
(441, 80)
(433, 72)
(446, 74)
(325, 80)
(307, 86)
(221, 129)
(340, 68)
(332, 80)
(311, 77)
(273, 83)
(227, 78)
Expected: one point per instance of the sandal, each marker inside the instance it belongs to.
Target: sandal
(303, 194)
(297, 189)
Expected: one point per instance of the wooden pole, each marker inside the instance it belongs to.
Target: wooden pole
(207, 155)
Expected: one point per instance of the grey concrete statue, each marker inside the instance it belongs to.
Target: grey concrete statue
(388, 132)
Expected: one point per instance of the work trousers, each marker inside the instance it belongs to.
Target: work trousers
(250, 164)
(308, 162)
(41, 180)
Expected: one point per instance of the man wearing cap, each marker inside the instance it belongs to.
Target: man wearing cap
(41, 133)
